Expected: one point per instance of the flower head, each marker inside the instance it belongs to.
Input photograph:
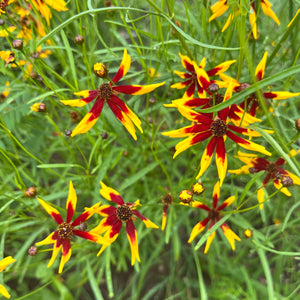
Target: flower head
(114, 217)
(216, 129)
(66, 229)
(107, 92)
(213, 216)
(196, 77)
(3, 264)
(274, 171)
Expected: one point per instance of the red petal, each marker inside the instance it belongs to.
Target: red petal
(191, 90)
(96, 109)
(84, 234)
(126, 89)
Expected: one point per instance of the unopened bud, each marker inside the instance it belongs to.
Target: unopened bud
(186, 196)
(198, 188)
(68, 132)
(100, 70)
(167, 199)
(287, 181)
(253, 170)
(39, 107)
(79, 39)
(33, 250)
(104, 135)
(2, 22)
(82, 226)
(213, 88)
(297, 124)
(31, 192)
(243, 86)
(35, 55)
(125, 153)
(152, 100)
(17, 44)
(248, 233)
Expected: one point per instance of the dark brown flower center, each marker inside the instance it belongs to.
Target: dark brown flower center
(124, 213)
(214, 215)
(218, 127)
(272, 169)
(65, 230)
(105, 91)
(218, 99)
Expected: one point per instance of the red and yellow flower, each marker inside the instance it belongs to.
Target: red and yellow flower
(66, 229)
(221, 6)
(217, 129)
(196, 78)
(114, 217)
(3, 264)
(274, 171)
(213, 216)
(107, 92)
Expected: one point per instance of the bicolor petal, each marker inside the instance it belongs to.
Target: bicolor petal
(137, 89)
(197, 229)
(124, 67)
(230, 235)
(132, 238)
(260, 69)
(51, 211)
(209, 241)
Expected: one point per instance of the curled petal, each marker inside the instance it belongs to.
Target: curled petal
(5, 262)
(260, 69)
(223, 67)
(218, 9)
(230, 235)
(278, 185)
(110, 194)
(216, 194)
(261, 198)
(110, 238)
(3, 290)
(226, 203)
(252, 19)
(266, 7)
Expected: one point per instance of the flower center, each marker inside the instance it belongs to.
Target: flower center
(218, 127)
(105, 91)
(65, 230)
(124, 213)
(272, 169)
(218, 99)
(214, 215)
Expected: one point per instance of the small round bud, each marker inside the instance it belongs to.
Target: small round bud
(167, 199)
(31, 192)
(243, 86)
(39, 107)
(17, 44)
(68, 132)
(125, 153)
(75, 116)
(39, 78)
(277, 221)
(297, 124)
(248, 233)
(213, 88)
(79, 39)
(100, 70)
(82, 226)
(152, 100)
(252, 170)
(33, 250)
(198, 188)
(33, 75)
(186, 196)
(2, 22)
(287, 181)
(107, 3)
(104, 135)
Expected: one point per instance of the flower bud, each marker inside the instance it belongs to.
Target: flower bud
(17, 44)
(213, 88)
(198, 188)
(167, 199)
(248, 233)
(100, 70)
(243, 86)
(68, 132)
(82, 226)
(287, 181)
(2, 22)
(186, 196)
(104, 135)
(31, 192)
(39, 107)
(79, 39)
(33, 250)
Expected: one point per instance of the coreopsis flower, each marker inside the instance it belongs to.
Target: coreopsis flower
(42, 6)
(3, 264)
(167, 200)
(107, 92)
(196, 77)
(221, 6)
(213, 216)
(3, 5)
(274, 171)
(216, 129)
(252, 101)
(114, 217)
(66, 229)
